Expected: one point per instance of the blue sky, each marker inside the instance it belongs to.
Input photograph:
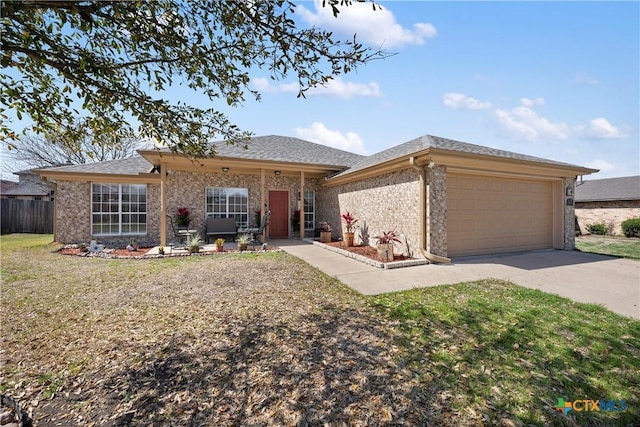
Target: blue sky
(555, 80)
(551, 79)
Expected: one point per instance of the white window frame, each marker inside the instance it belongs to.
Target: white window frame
(230, 209)
(115, 209)
(311, 223)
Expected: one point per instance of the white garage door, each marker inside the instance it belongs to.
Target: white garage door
(488, 215)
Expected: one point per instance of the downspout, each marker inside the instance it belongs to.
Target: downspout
(424, 216)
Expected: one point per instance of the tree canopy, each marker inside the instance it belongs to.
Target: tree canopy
(110, 61)
(71, 145)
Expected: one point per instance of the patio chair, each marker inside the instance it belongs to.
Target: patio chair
(255, 232)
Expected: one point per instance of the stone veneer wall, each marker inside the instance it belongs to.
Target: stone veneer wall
(73, 216)
(380, 204)
(611, 213)
(569, 216)
(188, 189)
(437, 210)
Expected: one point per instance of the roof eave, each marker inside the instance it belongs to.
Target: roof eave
(182, 162)
(103, 177)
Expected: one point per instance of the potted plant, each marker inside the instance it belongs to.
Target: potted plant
(349, 223)
(243, 242)
(193, 243)
(133, 242)
(219, 245)
(385, 245)
(183, 218)
(325, 232)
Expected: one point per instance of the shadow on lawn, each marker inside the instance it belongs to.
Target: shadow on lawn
(333, 367)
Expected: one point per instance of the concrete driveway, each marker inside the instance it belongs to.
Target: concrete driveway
(611, 282)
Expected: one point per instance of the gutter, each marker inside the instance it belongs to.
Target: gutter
(424, 216)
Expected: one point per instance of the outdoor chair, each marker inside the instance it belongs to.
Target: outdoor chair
(255, 232)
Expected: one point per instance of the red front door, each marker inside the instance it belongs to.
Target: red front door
(279, 207)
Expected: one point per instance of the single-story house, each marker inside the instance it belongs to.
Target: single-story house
(30, 186)
(444, 197)
(607, 201)
(6, 185)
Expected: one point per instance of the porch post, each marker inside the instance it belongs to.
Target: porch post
(301, 205)
(163, 204)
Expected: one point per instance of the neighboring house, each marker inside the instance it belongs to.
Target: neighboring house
(30, 187)
(444, 197)
(6, 185)
(607, 201)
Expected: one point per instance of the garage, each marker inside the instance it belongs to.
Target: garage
(488, 215)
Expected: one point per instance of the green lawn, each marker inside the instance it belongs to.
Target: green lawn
(504, 351)
(606, 245)
(266, 339)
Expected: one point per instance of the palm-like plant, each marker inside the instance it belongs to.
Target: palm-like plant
(388, 237)
(349, 221)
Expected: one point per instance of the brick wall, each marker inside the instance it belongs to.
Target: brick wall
(437, 208)
(73, 216)
(188, 189)
(380, 204)
(612, 214)
(569, 216)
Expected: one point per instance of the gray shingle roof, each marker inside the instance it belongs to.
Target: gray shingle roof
(288, 149)
(29, 189)
(430, 141)
(624, 188)
(130, 166)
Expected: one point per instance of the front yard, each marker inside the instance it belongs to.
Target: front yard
(609, 245)
(265, 339)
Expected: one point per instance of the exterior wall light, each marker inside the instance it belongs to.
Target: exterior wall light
(225, 169)
(277, 173)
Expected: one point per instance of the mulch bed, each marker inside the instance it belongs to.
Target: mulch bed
(366, 251)
(115, 252)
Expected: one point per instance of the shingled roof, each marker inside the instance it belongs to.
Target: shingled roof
(288, 149)
(429, 141)
(595, 190)
(129, 166)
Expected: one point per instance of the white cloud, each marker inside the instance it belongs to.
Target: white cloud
(600, 128)
(526, 102)
(262, 84)
(460, 101)
(319, 133)
(377, 27)
(586, 80)
(602, 165)
(341, 89)
(523, 122)
(336, 88)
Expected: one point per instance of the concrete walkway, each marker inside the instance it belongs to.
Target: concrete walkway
(611, 282)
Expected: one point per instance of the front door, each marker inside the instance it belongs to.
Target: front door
(279, 220)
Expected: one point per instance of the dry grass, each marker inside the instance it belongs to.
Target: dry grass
(265, 339)
(220, 340)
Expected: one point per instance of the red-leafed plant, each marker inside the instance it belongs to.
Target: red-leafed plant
(349, 221)
(183, 217)
(388, 237)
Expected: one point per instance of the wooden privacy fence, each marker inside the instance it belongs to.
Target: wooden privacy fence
(26, 216)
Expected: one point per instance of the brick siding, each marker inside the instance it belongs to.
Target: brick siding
(612, 214)
(380, 204)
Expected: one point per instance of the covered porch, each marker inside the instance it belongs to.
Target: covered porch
(244, 189)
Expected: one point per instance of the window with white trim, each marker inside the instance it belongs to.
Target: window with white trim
(229, 203)
(309, 210)
(118, 209)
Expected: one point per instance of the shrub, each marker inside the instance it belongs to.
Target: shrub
(598, 228)
(631, 227)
